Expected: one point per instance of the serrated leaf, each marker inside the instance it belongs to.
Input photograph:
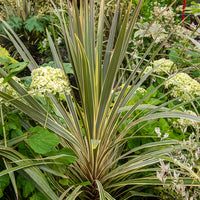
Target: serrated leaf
(68, 68)
(33, 23)
(41, 140)
(15, 23)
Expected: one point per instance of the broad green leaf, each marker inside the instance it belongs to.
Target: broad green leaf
(34, 23)
(15, 69)
(68, 68)
(15, 23)
(41, 140)
(26, 186)
(68, 156)
(38, 196)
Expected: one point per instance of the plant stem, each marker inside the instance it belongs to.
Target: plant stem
(3, 126)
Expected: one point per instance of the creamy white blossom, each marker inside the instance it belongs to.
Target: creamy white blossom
(141, 90)
(183, 86)
(162, 66)
(185, 123)
(49, 80)
(5, 87)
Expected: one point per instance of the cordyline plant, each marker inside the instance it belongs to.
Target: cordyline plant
(91, 127)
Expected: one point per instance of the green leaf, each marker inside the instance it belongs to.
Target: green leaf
(84, 183)
(163, 124)
(33, 23)
(10, 126)
(15, 23)
(1, 129)
(14, 118)
(68, 155)
(41, 140)
(4, 182)
(38, 196)
(64, 181)
(26, 186)
(68, 68)
(74, 194)
(16, 133)
(192, 53)
(3, 61)
(15, 69)
(173, 55)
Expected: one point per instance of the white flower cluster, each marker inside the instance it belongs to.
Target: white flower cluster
(167, 14)
(158, 132)
(5, 87)
(141, 90)
(49, 80)
(183, 86)
(165, 66)
(185, 123)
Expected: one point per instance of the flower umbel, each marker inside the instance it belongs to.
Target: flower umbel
(183, 86)
(49, 80)
(8, 89)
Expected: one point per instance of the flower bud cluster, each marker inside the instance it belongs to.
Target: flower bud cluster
(5, 87)
(141, 90)
(47, 80)
(185, 123)
(166, 66)
(183, 86)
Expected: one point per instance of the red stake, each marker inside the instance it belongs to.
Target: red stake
(184, 2)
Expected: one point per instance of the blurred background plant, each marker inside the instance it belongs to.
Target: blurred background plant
(27, 20)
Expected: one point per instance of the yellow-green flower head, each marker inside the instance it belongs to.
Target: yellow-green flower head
(5, 55)
(141, 90)
(183, 86)
(164, 66)
(49, 80)
(5, 87)
(184, 123)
